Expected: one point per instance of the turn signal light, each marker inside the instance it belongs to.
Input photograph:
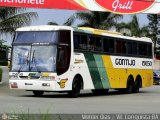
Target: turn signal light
(13, 85)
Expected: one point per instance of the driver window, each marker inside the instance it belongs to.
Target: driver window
(61, 56)
(64, 51)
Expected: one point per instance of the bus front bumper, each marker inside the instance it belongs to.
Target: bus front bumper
(32, 85)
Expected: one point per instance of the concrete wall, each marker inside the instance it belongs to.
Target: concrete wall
(156, 65)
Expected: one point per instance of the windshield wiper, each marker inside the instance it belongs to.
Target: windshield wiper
(33, 57)
(34, 61)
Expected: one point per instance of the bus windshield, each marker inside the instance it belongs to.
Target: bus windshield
(34, 58)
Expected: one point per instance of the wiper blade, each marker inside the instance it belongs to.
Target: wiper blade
(34, 62)
(33, 57)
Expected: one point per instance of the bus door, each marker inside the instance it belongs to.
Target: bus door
(64, 51)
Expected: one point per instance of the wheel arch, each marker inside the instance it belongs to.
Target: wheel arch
(80, 79)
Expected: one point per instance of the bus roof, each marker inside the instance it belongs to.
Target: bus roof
(110, 34)
(94, 31)
(44, 28)
(82, 30)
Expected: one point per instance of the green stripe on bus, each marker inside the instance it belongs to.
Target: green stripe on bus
(102, 71)
(93, 71)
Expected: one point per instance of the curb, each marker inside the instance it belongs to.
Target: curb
(3, 66)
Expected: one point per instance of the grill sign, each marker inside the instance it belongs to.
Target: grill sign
(125, 6)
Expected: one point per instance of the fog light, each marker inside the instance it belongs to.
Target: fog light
(14, 85)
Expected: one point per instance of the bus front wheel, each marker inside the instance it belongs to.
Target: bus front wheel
(76, 88)
(38, 93)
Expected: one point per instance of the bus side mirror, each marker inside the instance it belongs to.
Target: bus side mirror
(8, 56)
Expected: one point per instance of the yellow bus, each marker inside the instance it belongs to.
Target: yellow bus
(66, 59)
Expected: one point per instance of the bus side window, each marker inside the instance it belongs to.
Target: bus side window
(105, 45)
(108, 45)
(134, 48)
(111, 45)
(150, 50)
(123, 47)
(63, 52)
(91, 43)
(142, 49)
(83, 42)
(98, 41)
(76, 40)
(129, 48)
(118, 46)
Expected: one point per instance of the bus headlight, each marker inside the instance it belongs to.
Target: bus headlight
(13, 77)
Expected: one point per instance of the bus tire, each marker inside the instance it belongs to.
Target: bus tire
(38, 93)
(137, 84)
(100, 91)
(136, 87)
(76, 88)
(130, 86)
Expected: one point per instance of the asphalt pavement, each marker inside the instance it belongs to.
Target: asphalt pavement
(18, 101)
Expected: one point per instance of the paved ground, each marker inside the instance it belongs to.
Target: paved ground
(147, 101)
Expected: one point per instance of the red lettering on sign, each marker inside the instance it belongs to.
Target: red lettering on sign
(125, 6)
(56, 4)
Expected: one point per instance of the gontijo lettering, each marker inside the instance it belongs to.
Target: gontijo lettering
(124, 62)
(36, 2)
